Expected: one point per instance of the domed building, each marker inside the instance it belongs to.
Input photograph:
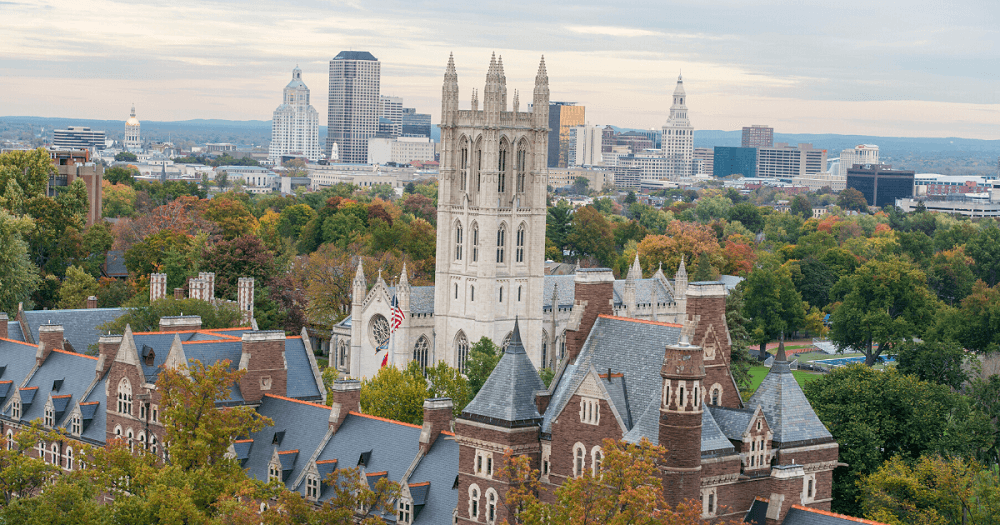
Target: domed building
(295, 126)
(132, 140)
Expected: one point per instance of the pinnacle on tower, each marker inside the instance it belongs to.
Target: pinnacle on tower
(680, 269)
(403, 281)
(781, 350)
(542, 77)
(359, 276)
(635, 272)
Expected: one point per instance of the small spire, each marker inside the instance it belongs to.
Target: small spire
(781, 349)
(359, 276)
(542, 76)
(681, 270)
(515, 339)
(500, 67)
(403, 281)
(516, 102)
(635, 272)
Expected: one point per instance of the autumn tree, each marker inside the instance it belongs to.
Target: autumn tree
(590, 235)
(884, 303)
(76, 287)
(852, 199)
(681, 239)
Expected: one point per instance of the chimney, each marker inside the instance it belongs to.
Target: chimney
(244, 298)
(107, 349)
(52, 336)
(346, 397)
(595, 292)
(180, 323)
(178, 293)
(209, 278)
(3, 325)
(92, 302)
(157, 286)
(264, 361)
(437, 418)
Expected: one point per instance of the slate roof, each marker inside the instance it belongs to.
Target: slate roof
(439, 467)
(304, 426)
(114, 264)
(95, 429)
(14, 331)
(733, 421)
(632, 348)
(79, 325)
(76, 371)
(17, 359)
(301, 381)
(799, 515)
(421, 299)
(508, 396)
(713, 440)
(788, 412)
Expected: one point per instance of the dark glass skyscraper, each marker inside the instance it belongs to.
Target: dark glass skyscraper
(879, 184)
(731, 161)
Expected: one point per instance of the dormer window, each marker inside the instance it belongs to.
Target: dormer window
(312, 487)
(273, 472)
(15, 409)
(50, 417)
(405, 511)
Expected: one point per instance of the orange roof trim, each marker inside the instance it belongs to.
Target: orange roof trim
(629, 319)
(326, 461)
(616, 374)
(283, 398)
(30, 388)
(383, 473)
(67, 352)
(18, 342)
(353, 413)
(280, 452)
(62, 396)
(445, 432)
(423, 484)
(5, 382)
(243, 441)
(90, 403)
(840, 516)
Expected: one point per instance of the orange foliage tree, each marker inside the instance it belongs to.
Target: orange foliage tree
(685, 239)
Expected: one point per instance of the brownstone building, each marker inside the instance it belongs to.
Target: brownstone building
(630, 379)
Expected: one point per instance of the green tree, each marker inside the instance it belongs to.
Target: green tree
(984, 248)
(950, 276)
(740, 360)
(557, 224)
(772, 303)
(933, 491)
(877, 414)
(18, 275)
(813, 279)
(800, 206)
(748, 215)
(708, 209)
(935, 362)
(590, 235)
(126, 156)
(76, 287)
(396, 394)
(885, 303)
(852, 199)
(120, 175)
(293, 219)
(445, 381)
(245, 256)
(147, 318)
(703, 269)
(581, 186)
(483, 358)
(23, 175)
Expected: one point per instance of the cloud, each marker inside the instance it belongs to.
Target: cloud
(612, 31)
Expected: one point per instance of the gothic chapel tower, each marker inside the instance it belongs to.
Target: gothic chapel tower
(491, 217)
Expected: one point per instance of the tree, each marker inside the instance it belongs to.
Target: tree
(420, 206)
(934, 362)
(813, 279)
(949, 275)
(681, 239)
(23, 175)
(877, 414)
(590, 235)
(976, 324)
(708, 209)
(396, 394)
(557, 224)
(76, 287)
(984, 248)
(772, 303)
(147, 318)
(232, 216)
(293, 219)
(126, 156)
(740, 360)
(445, 381)
(885, 303)
(581, 186)
(748, 215)
(245, 256)
(117, 200)
(22, 475)
(935, 490)
(483, 358)
(800, 206)
(703, 270)
(18, 275)
(120, 175)
(852, 199)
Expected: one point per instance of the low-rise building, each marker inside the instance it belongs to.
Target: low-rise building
(597, 178)
(400, 150)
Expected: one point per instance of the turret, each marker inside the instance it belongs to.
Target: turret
(681, 409)
(503, 84)
(681, 280)
(540, 101)
(449, 94)
(403, 291)
(359, 286)
(491, 93)
(630, 299)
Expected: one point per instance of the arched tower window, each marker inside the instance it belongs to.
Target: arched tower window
(464, 164)
(519, 254)
(461, 351)
(522, 155)
(501, 240)
(479, 168)
(420, 351)
(502, 168)
(545, 345)
(458, 241)
(475, 242)
(124, 397)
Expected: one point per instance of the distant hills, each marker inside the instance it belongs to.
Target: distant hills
(950, 155)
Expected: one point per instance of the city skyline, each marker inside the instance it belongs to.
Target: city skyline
(893, 69)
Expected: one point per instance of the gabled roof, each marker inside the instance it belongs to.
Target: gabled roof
(732, 421)
(76, 373)
(786, 408)
(713, 440)
(14, 331)
(301, 381)
(508, 396)
(801, 515)
(79, 325)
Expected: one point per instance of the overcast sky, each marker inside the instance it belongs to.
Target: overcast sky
(876, 67)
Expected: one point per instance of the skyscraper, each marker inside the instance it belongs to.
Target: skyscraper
(757, 136)
(295, 126)
(563, 116)
(678, 136)
(132, 140)
(391, 109)
(354, 101)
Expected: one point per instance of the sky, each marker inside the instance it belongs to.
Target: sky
(914, 68)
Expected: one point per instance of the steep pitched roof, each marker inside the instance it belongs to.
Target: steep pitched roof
(788, 412)
(508, 396)
(713, 440)
(800, 515)
(79, 326)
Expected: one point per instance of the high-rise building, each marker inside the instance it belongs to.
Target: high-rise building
(728, 161)
(704, 161)
(860, 154)
(354, 100)
(784, 161)
(77, 164)
(637, 141)
(295, 125)
(563, 116)
(879, 184)
(678, 136)
(133, 141)
(757, 136)
(416, 124)
(585, 146)
(391, 108)
(78, 137)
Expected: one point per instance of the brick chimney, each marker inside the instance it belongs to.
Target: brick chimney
(346, 397)
(92, 301)
(3, 325)
(437, 418)
(180, 323)
(157, 286)
(107, 350)
(594, 295)
(264, 361)
(178, 293)
(51, 335)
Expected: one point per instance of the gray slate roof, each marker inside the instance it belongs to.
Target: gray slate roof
(508, 396)
(79, 325)
(421, 299)
(95, 427)
(713, 440)
(301, 382)
(114, 264)
(14, 331)
(788, 412)
(732, 421)
(440, 468)
(801, 516)
(76, 371)
(304, 426)
(18, 359)
(566, 291)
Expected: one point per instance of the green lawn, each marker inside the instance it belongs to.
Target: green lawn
(757, 374)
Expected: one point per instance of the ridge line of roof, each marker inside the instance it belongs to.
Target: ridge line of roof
(67, 352)
(387, 420)
(293, 400)
(421, 484)
(18, 342)
(630, 319)
(294, 451)
(835, 515)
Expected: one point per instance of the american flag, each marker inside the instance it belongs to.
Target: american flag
(397, 315)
